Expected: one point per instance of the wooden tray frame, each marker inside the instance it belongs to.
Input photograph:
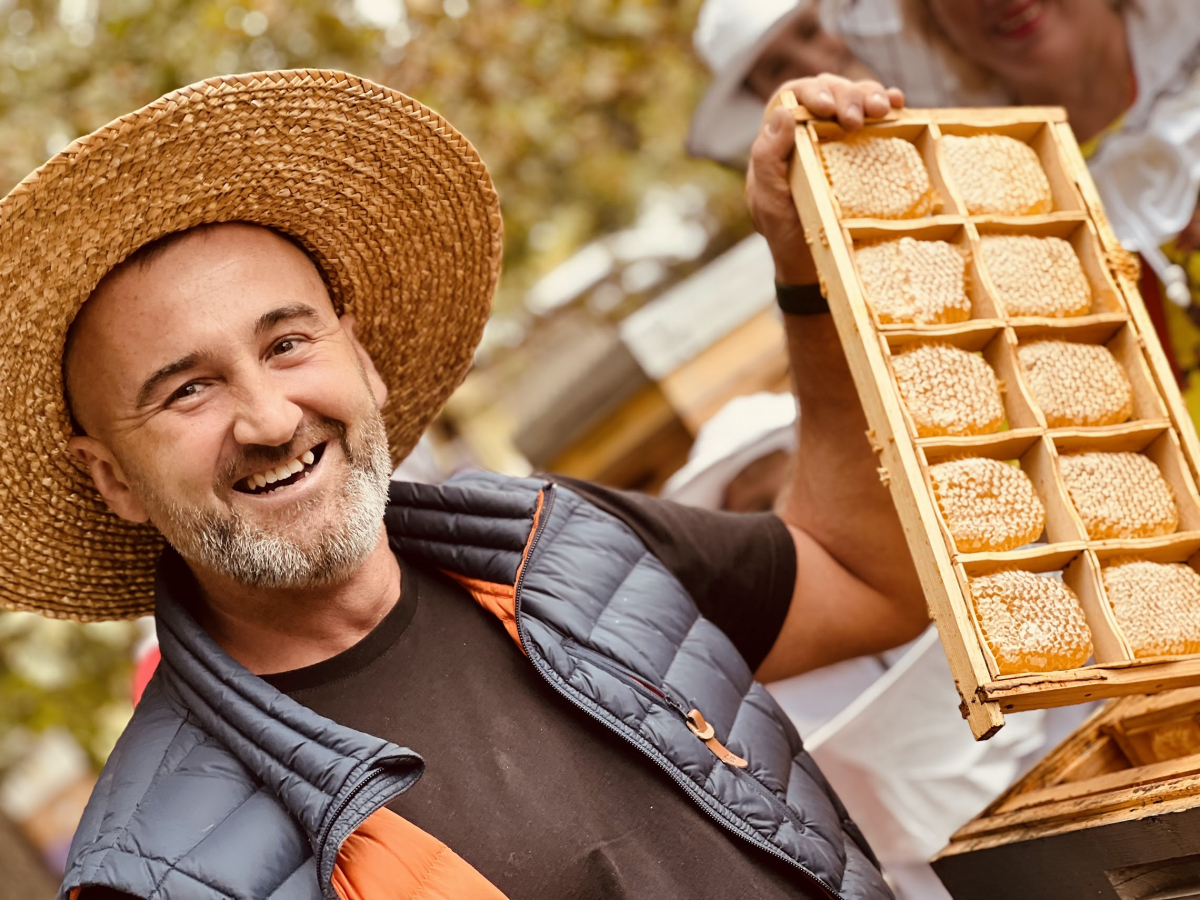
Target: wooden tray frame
(944, 573)
(1103, 799)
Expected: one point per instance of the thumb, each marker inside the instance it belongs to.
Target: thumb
(779, 126)
(770, 153)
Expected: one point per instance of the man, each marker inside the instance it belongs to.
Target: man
(335, 715)
(741, 459)
(751, 49)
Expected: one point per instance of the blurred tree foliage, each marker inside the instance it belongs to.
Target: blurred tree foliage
(578, 106)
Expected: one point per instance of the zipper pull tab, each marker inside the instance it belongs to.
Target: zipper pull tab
(698, 726)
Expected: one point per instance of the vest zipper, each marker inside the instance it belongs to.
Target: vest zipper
(692, 718)
(663, 763)
(345, 802)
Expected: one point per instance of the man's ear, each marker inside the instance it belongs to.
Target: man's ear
(377, 385)
(110, 481)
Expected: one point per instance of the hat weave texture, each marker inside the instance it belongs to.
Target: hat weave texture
(394, 205)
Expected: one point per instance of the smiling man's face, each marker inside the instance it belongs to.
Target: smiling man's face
(225, 402)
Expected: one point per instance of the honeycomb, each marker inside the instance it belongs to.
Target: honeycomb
(915, 281)
(1032, 623)
(1076, 384)
(988, 505)
(878, 177)
(1119, 495)
(997, 175)
(948, 391)
(1157, 605)
(1036, 276)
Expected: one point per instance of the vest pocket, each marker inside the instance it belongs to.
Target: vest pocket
(692, 718)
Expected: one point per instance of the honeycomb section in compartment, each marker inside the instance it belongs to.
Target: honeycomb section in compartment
(1157, 605)
(1032, 623)
(920, 282)
(988, 505)
(997, 175)
(1036, 276)
(948, 391)
(1076, 384)
(1119, 495)
(878, 177)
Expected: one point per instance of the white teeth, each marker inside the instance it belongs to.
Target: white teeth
(282, 471)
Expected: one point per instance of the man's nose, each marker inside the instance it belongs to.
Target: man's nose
(265, 414)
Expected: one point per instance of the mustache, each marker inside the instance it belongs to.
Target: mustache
(257, 457)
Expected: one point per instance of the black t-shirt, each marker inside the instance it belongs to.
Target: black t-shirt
(541, 799)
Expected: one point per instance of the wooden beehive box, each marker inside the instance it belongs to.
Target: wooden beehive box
(1113, 813)
(1159, 427)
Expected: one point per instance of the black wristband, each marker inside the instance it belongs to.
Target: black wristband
(801, 299)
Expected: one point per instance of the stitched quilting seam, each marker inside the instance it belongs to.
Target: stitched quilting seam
(211, 831)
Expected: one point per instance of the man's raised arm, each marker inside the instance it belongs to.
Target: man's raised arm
(856, 591)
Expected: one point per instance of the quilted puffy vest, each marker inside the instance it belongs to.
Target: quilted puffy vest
(222, 787)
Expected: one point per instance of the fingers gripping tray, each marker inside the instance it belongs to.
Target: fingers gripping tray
(1025, 417)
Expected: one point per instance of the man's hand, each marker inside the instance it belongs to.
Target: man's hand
(856, 588)
(767, 191)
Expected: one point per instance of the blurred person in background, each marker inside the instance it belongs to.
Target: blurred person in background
(751, 49)
(1128, 74)
(741, 458)
(1126, 71)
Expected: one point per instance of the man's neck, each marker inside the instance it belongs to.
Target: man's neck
(1098, 91)
(274, 630)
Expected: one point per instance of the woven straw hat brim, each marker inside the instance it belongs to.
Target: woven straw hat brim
(395, 206)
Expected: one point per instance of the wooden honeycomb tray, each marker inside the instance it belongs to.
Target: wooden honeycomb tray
(1160, 427)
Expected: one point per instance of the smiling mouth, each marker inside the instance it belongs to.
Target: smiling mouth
(282, 475)
(1016, 22)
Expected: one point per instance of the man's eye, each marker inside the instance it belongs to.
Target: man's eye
(287, 345)
(191, 389)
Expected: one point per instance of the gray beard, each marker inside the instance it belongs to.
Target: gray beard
(230, 545)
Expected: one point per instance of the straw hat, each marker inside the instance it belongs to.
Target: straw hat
(394, 205)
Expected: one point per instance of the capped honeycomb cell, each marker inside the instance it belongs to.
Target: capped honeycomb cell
(988, 505)
(1156, 605)
(1076, 384)
(1036, 276)
(948, 391)
(997, 175)
(878, 177)
(1119, 495)
(1032, 623)
(922, 282)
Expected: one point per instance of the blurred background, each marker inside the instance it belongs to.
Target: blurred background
(635, 339)
(580, 110)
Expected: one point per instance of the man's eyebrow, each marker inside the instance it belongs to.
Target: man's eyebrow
(293, 311)
(265, 322)
(151, 384)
